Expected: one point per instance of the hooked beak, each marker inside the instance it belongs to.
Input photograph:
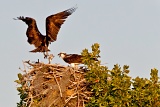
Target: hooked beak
(59, 54)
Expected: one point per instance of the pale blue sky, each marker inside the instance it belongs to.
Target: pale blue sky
(128, 32)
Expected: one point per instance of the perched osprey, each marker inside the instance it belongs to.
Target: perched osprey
(53, 25)
(73, 59)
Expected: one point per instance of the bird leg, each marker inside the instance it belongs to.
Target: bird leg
(45, 54)
(50, 57)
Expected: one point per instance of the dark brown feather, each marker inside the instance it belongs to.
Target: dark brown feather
(33, 34)
(53, 25)
(41, 49)
(73, 58)
(54, 22)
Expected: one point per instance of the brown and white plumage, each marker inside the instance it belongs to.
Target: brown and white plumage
(73, 59)
(53, 25)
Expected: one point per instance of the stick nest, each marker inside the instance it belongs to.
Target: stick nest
(54, 85)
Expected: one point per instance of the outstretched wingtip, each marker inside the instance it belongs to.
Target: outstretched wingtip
(15, 18)
(73, 9)
(19, 18)
(76, 6)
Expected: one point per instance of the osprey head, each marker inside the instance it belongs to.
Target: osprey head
(62, 54)
(27, 20)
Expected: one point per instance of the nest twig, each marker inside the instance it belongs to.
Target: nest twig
(55, 85)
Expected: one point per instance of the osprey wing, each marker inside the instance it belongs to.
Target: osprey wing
(54, 22)
(33, 34)
(73, 58)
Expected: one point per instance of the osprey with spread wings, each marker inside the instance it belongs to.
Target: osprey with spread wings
(53, 25)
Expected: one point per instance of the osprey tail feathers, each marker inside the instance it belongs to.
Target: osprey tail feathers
(41, 49)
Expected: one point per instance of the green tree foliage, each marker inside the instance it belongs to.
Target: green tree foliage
(114, 88)
(110, 88)
(22, 91)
